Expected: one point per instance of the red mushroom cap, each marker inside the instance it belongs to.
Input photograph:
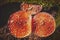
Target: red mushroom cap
(33, 9)
(19, 24)
(44, 24)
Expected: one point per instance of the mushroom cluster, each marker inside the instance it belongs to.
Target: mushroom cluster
(22, 23)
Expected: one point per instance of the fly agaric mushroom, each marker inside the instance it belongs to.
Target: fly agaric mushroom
(43, 24)
(19, 24)
(33, 9)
